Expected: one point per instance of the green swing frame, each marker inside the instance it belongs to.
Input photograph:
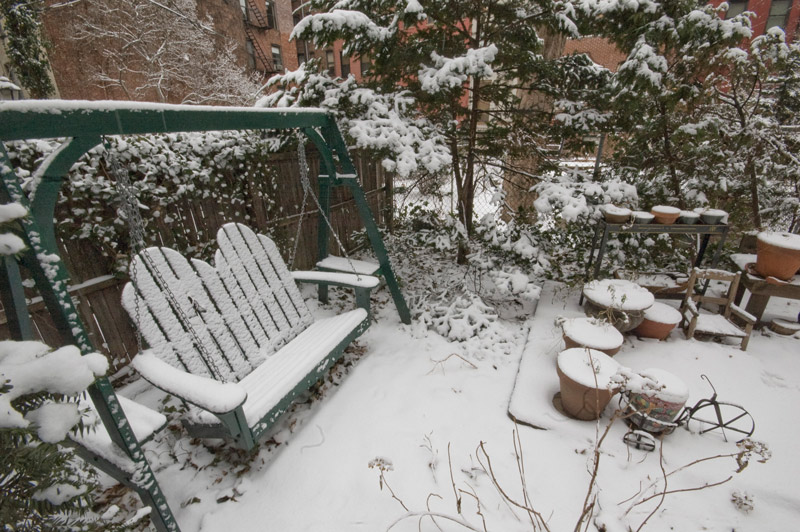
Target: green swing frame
(83, 124)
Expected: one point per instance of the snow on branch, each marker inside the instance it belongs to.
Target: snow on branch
(451, 73)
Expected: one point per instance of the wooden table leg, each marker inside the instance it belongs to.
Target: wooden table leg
(757, 304)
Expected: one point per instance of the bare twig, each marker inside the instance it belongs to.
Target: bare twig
(452, 480)
(440, 363)
(663, 494)
(455, 520)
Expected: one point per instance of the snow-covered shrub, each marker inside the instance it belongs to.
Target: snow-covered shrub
(175, 177)
(42, 485)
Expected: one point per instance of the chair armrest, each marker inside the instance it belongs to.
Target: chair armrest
(208, 394)
(349, 280)
(691, 306)
(743, 314)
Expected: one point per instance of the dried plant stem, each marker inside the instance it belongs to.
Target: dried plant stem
(663, 494)
(394, 496)
(535, 516)
(591, 498)
(455, 520)
(440, 363)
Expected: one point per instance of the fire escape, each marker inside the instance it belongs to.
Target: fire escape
(254, 19)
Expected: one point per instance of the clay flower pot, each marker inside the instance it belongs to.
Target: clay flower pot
(656, 400)
(778, 254)
(592, 333)
(689, 217)
(616, 215)
(784, 327)
(642, 217)
(659, 320)
(619, 302)
(585, 379)
(664, 214)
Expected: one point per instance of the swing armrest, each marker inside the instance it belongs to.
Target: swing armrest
(208, 394)
(348, 280)
(361, 284)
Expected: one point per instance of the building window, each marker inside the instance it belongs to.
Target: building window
(269, 7)
(345, 61)
(331, 64)
(779, 13)
(301, 58)
(735, 7)
(366, 65)
(251, 54)
(277, 59)
(243, 5)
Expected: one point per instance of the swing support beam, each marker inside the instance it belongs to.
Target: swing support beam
(83, 124)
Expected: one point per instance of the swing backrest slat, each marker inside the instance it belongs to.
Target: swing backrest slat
(242, 310)
(254, 263)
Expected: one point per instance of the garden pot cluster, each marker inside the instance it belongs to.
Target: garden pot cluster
(662, 214)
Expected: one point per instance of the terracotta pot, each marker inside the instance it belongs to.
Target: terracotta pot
(582, 396)
(664, 214)
(658, 322)
(778, 255)
(784, 327)
(655, 410)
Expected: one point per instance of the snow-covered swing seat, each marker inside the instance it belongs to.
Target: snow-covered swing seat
(261, 347)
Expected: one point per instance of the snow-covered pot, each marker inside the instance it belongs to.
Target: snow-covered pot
(689, 217)
(642, 217)
(778, 254)
(664, 214)
(592, 333)
(785, 327)
(659, 320)
(620, 302)
(711, 216)
(585, 379)
(616, 215)
(656, 404)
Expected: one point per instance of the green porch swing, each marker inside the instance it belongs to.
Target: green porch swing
(83, 124)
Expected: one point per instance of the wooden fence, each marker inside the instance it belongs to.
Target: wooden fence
(97, 291)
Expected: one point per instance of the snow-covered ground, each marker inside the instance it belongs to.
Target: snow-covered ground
(398, 437)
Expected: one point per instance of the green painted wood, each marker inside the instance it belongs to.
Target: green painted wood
(12, 296)
(52, 173)
(50, 277)
(53, 118)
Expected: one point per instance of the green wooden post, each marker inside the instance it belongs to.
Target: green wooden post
(349, 178)
(50, 276)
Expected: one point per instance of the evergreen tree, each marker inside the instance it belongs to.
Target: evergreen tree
(462, 66)
(756, 120)
(658, 98)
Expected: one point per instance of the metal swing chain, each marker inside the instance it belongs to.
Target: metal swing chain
(308, 191)
(130, 207)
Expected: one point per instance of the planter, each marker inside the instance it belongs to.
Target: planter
(711, 216)
(664, 214)
(657, 283)
(778, 255)
(657, 401)
(616, 215)
(621, 303)
(688, 217)
(585, 379)
(784, 327)
(659, 320)
(641, 217)
(592, 333)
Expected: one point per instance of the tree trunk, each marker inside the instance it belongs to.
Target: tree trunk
(670, 158)
(752, 176)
